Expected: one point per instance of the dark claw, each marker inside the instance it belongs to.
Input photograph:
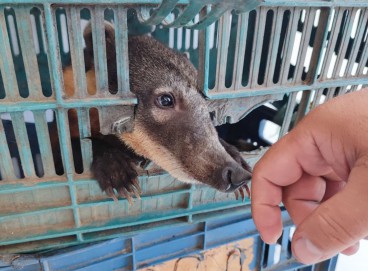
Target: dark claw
(136, 185)
(136, 190)
(248, 190)
(236, 194)
(241, 191)
(110, 192)
(125, 194)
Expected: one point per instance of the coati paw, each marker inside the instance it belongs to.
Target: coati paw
(115, 170)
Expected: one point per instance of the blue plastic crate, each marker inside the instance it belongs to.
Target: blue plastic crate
(160, 245)
(299, 53)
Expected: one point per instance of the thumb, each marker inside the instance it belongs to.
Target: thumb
(337, 224)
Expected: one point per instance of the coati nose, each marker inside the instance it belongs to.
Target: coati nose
(235, 176)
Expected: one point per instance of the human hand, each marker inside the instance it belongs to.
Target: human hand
(320, 172)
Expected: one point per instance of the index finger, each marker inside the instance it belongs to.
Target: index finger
(282, 165)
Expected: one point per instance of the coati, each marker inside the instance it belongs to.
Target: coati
(172, 124)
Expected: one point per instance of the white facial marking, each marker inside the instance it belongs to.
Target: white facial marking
(157, 153)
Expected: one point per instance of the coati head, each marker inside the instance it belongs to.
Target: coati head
(172, 125)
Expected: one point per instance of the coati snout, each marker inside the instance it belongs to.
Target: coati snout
(172, 126)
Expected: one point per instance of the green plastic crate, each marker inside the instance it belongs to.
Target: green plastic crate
(248, 53)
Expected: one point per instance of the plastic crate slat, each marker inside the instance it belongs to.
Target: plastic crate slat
(257, 46)
(66, 153)
(241, 38)
(303, 107)
(357, 41)
(274, 45)
(342, 90)
(90, 255)
(363, 61)
(121, 40)
(285, 127)
(24, 148)
(85, 133)
(190, 201)
(270, 255)
(119, 223)
(28, 52)
(26, 106)
(54, 61)
(289, 44)
(317, 98)
(6, 62)
(76, 51)
(315, 3)
(173, 247)
(290, 265)
(99, 48)
(277, 89)
(65, 142)
(6, 166)
(330, 94)
(344, 42)
(173, 242)
(33, 213)
(160, 236)
(223, 36)
(332, 43)
(30, 106)
(319, 45)
(44, 143)
(22, 186)
(231, 232)
(121, 262)
(215, 221)
(306, 35)
(204, 59)
(143, 198)
(285, 255)
(41, 237)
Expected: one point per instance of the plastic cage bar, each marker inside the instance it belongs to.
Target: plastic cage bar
(248, 53)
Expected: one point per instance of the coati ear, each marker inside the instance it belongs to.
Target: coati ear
(110, 44)
(88, 51)
(110, 53)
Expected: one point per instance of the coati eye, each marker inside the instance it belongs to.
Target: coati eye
(165, 100)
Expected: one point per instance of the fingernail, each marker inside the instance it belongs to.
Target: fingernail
(271, 240)
(305, 251)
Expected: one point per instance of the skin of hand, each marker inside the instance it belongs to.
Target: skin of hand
(319, 171)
